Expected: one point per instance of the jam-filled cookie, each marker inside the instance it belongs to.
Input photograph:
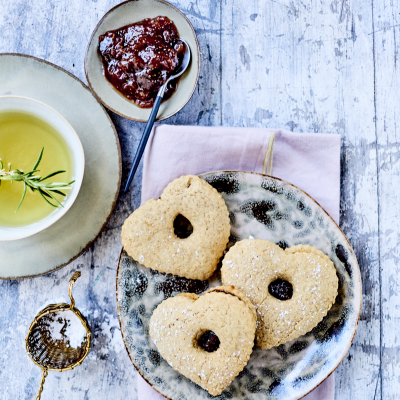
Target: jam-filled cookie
(292, 289)
(184, 232)
(209, 338)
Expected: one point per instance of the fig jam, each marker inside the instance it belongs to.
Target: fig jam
(139, 58)
(209, 341)
(281, 289)
(182, 227)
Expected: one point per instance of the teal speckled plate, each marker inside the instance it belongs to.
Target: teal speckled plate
(70, 236)
(265, 208)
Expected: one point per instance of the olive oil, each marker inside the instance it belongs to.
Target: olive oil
(22, 137)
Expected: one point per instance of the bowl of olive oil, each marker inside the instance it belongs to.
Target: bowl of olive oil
(41, 167)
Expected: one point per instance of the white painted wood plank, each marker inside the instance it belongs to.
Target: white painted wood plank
(204, 108)
(386, 35)
(308, 66)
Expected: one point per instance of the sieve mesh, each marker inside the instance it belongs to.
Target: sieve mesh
(51, 353)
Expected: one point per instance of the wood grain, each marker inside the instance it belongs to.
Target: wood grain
(386, 20)
(310, 68)
(328, 66)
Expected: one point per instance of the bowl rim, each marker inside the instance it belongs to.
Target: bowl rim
(79, 152)
(85, 63)
(357, 279)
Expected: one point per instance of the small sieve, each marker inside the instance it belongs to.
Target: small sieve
(59, 337)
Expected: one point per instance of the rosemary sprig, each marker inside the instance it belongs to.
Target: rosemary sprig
(35, 182)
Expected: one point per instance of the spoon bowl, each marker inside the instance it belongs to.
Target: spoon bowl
(180, 70)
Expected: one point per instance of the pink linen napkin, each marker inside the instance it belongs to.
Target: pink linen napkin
(308, 160)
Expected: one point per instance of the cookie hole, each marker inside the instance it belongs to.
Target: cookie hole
(182, 227)
(208, 341)
(281, 289)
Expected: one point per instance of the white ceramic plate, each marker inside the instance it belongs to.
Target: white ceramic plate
(73, 234)
(127, 13)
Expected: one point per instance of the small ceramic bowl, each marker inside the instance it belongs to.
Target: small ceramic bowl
(65, 130)
(127, 13)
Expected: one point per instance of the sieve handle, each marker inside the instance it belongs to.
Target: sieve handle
(72, 281)
(44, 375)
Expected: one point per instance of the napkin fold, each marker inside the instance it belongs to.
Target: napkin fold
(310, 161)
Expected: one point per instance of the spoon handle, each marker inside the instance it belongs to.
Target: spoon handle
(145, 138)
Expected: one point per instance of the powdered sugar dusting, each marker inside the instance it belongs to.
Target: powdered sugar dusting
(66, 326)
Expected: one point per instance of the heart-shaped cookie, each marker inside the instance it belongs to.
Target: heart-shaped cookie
(209, 338)
(292, 289)
(154, 234)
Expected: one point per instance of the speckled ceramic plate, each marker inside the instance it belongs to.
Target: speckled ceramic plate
(127, 13)
(69, 237)
(265, 208)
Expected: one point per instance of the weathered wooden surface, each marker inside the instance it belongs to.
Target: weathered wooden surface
(326, 66)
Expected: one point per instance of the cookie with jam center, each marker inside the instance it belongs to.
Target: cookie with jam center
(292, 290)
(184, 232)
(206, 338)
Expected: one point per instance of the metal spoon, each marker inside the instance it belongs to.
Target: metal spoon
(139, 152)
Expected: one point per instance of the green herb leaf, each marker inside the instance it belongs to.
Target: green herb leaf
(22, 198)
(43, 194)
(35, 182)
(53, 198)
(29, 174)
(59, 192)
(50, 175)
(39, 159)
